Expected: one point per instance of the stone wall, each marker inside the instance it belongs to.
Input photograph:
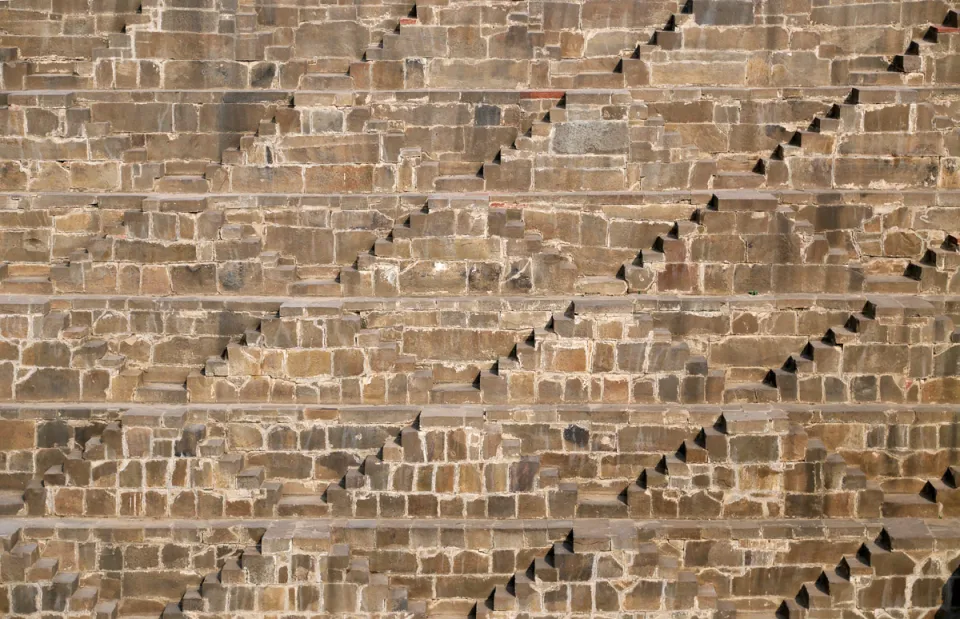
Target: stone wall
(501, 309)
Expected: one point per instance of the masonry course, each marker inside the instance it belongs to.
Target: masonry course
(445, 309)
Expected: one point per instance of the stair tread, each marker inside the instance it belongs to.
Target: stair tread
(758, 385)
(887, 278)
(164, 386)
(906, 499)
(302, 499)
(455, 387)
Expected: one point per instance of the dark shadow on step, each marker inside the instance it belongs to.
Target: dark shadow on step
(950, 608)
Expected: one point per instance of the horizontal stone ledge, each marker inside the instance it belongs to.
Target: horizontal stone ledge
(675, 529)
(660, 302)
(277, 535)
(566, 199)
(663, 306)
(442, 414)
(255, 95)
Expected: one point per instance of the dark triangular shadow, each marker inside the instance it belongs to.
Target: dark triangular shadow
(950, 608)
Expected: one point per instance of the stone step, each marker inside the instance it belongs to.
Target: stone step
(455, 393)
(908, 506)
(853, 565)
(940, 258)
(668, 39)
(326, 81)
(738, 180)
(811, 597)
(171, 611)
(181, 184)
(799, 364)
(823, 124)
(601, 507)
(54, 81)
(306, 506)
(650, 256)
(838, 336)
(673, 466)
(598, 80)
(744, 201)
(60, 590)
(908, 63)
(751, 393)
(106, 610)
(44, 569)
(459, 182)
(27, 285)
(250, 478)
(875, 78)
(813, 142)
(860, 323)
(891, 284)
(837, 586)
(22, 556)
(784, 151)
(192, 599)
(938, 34)
(316, 288)
(162, 393)
(599, 285)
(84, 599)
(115, 53)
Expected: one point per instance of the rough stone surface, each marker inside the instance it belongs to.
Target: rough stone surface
(581, 308)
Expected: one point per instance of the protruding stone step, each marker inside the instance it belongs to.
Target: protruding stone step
(44, 569)
(598, 80)
(751, 392)
(455, 393)
(181, 184)
(813, 142)
(53, 81)
(811, 597)
(460, 182)
(316, 288)
(909, 62)
(250, 478)
(163, 393)
(838, 336)
(57, 594)
(326, 81)
(305, 506)
(738, 180)
(651, 256)
(601, 507)
(668, 39)
(599, 285)
(172, 611)
(744, 201)
(908, 506)
(837, 586)
(27, 285)
(85, 599)
(825, 124)
(875, 78)
(891, 284)
(106, 610)
(853, 565)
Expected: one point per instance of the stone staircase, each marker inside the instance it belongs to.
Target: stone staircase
(450, 309)
(41, 585)
(815, 374)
